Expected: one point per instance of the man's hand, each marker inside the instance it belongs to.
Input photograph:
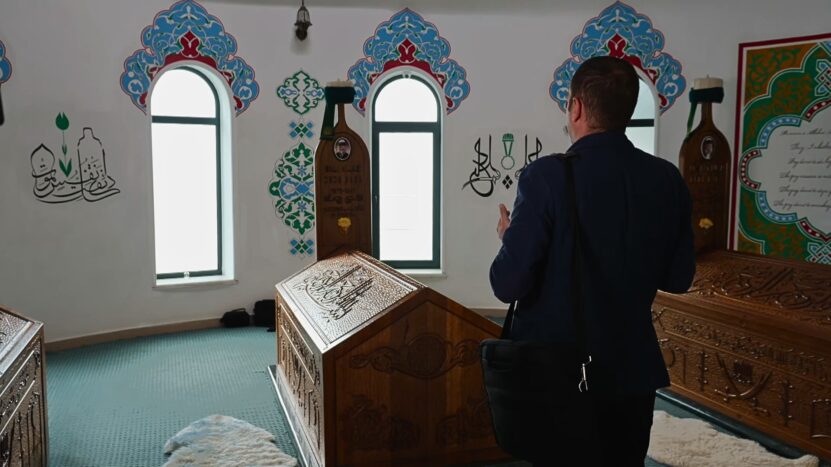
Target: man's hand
(504, 220)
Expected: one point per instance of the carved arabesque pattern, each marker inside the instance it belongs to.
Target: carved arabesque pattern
(367, 426)
(780, 288)
(427, 356)
(302, 370)
(471, 422)
(744, 344)
(770, 383)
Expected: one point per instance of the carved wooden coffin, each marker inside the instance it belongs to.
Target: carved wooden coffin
(376, 369)
(752, 340)
(23, 437)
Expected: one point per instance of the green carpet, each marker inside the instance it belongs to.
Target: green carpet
(116, 404)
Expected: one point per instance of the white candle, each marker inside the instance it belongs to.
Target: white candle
(708, 83)
(339, 84)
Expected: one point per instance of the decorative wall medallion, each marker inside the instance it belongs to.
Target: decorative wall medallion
(301, 129)
(293, 186)
(427, 356)
(302, 247)
(71, 175)
(366, 426)
(484, 176)
(621, 32)
(407, 40)
(300, 92)
(186, 32)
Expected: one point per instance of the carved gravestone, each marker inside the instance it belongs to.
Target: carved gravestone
(705, 164)
(342, 182)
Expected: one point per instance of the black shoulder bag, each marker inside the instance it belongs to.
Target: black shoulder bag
(538, 391)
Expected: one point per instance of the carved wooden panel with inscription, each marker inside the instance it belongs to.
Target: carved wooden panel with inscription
(753, 340)
(342, 192)
(376, 369)
(705, 164)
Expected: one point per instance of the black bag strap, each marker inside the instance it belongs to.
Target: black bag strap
(576, 266)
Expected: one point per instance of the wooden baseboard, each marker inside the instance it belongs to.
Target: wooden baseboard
(100, 338)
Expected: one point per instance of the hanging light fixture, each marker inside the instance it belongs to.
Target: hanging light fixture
(303, 21)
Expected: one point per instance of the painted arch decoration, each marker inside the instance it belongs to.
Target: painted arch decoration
(620, 31)
(5, 65)
(187, 31)
(407, 40)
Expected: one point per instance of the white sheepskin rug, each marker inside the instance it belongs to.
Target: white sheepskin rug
(224, 441)
(684, 442)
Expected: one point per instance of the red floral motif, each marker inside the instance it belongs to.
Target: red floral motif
(617, 48)
(190, 44)
(406, 57)
(190, 51)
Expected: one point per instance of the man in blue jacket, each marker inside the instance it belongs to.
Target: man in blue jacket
(634, 211)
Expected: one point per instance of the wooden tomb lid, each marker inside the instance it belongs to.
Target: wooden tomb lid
(342, 294)
(790, 295)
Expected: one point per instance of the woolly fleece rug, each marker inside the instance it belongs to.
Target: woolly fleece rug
(221, 440)
(686, 442)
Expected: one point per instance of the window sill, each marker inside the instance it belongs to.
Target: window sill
(194, 282)
(424, 273)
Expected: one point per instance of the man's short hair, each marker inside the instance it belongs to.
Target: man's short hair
(608, 88)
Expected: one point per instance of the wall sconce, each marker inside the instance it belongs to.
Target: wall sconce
(303, 22)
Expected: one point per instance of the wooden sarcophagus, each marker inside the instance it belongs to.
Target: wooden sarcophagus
(752, 340)
(376, 369)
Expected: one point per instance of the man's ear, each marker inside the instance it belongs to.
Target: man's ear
(575, 109)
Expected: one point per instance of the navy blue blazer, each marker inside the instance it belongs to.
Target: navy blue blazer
(634, 211)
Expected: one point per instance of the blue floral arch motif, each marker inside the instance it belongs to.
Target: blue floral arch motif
(620, 31)
(407, 40)
(187, 32)
(5, 64)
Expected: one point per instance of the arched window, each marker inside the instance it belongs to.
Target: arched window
(641, 130)
(187, 118)
(406, 173)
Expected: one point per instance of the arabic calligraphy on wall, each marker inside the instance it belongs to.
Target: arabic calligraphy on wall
(497, 162)
(73, 174)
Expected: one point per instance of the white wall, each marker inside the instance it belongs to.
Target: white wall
(84, 268)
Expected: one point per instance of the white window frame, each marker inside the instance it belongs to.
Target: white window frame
(433, 267)
(226, 273)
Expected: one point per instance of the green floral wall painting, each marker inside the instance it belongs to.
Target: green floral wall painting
(292, 183)
(300, 92)
(75, 173)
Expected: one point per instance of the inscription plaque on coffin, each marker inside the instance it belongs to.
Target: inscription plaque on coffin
(341, 293)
